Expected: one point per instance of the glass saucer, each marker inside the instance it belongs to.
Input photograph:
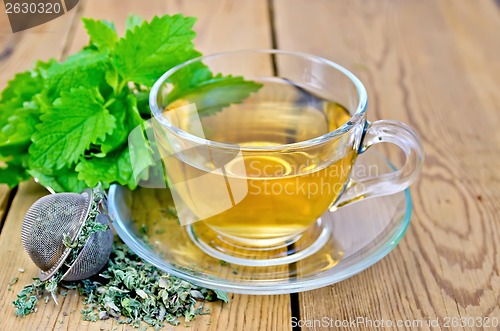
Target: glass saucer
(360, 234)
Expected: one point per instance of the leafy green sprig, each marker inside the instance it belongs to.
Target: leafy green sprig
(67, 123)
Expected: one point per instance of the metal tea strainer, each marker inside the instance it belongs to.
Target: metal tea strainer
(54, 217)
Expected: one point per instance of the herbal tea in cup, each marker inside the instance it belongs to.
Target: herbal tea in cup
(253, 162)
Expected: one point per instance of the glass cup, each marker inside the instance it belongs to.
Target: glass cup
(256, 145)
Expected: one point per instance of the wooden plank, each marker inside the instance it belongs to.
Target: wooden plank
(227, 25)
(5, 50)
(13, 258)
(217, 23)
(433, 65)
(4, 203)
(19, 51)
(6, 35)
(115, 11)
(222, 25)
(22, 49)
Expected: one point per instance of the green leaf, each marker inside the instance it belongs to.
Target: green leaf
(84, 69)
(115, 167)
(22, 88)
(18, 117)
(102, 34)
(113, 79)
(143, 102)
(12, 174)
(213, 94)
(79, 114)
(76, 120)
(66, 180)
(133, 21)
(221, 295)
(42, 67)
(142, 154)
(20, 125)
(119, 136)
(109, 24)
(127, 117)
(189, 76)
(150, 49)
(7, 109)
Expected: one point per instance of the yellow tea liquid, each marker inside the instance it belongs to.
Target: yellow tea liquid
(284, 196)
(265, 195)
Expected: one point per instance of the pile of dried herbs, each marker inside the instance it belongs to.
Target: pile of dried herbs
(128, 289)
(67, 123)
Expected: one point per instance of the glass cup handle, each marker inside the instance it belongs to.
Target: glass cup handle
(402, 136)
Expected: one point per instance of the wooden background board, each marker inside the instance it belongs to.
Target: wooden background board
(434, 65)
(431, 64)
(215, 32)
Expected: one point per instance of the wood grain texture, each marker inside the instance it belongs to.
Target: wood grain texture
(5, 193)
(19, 51)
(222, 25)
(434, 65)
(13, 257)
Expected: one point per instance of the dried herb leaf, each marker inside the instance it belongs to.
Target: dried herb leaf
(130, 290)
(13, 281)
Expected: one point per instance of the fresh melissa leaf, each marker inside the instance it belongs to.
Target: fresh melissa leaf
(76, 120)
(150, 49)
(102, 34)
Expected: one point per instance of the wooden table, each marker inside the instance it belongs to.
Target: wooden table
(432, 64)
